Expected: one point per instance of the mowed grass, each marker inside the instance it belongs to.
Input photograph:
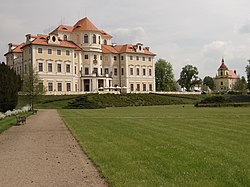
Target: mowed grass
(7, 123)
(166, 145)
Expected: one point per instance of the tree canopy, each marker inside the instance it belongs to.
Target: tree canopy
(189, 77)
(164, 75)
(32, 86)
(248, 75)
(208, 81)
(10, 84)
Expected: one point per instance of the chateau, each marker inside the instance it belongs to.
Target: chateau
(82, 59)
(226, 79)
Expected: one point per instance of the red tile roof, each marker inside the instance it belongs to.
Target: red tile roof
(232, 74)
(85, 25)
(63, 28)
(17, 49)
(128, 48)
(43, 40)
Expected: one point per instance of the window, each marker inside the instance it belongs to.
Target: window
(68, 86)
(67, 52)
(86, 38)
(149, 59)
(143, 58)
(100, 57)
(65, 37)
(144, 87)
(137, 58)
(95, 57)
(99, 39)
(25, 68)
(137, 71)
(95, 71)
(138, 87)
(75, 69)
(131, 71)
(50, 86)
(115, 58)
(105, 42)
(150, 87)
(86, 71)
(106, 70)
(59, 86)
(131, 87)
(86, 57)
(67, 68)
(49, 51)
(40, 66)
(221, 73)
(49, 67)
(131, 57)
(59, 68)
(40, 50)
(58, 52)
(115, 71)
(74, 55)
(122, 71)
(150, 72)
(221, 83)
(94, 39)
(122, 57)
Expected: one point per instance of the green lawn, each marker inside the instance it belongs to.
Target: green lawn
(166, 145)
(7, 123)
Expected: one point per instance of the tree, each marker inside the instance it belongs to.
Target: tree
(208, 81)
(248, 75)
(32, 86)
(241, 85)
(188, 77)
(9, 87)
(164, 76)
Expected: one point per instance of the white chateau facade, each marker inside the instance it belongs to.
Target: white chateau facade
(82, 59)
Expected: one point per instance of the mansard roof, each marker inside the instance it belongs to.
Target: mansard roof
(127, 48)
(63, 28)
(43, 40)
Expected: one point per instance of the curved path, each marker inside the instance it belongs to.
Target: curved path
(43, 152)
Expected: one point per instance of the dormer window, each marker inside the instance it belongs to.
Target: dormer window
(53, 38)
(65, 37)
(86, 38)
(105, 42)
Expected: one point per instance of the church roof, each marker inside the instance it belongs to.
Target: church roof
(223, 66)
(85, 25)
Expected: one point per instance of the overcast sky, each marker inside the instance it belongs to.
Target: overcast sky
(196, 32)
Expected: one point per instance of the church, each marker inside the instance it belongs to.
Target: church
(82, 59)
(225, 79)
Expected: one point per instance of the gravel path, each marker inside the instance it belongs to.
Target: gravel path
(44, 153)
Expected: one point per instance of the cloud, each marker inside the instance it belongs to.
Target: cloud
(131, 35)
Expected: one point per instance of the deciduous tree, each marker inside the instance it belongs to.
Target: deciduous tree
(188, 77)
(208, 81)
(32, 86)
(164, 75)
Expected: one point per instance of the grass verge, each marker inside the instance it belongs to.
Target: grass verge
(166, 145)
